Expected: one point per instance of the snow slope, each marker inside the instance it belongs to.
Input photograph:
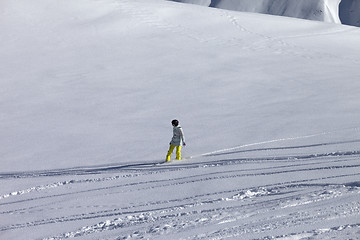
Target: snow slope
(269, 106)
(93, 81)
(321, 10)
(348, 12)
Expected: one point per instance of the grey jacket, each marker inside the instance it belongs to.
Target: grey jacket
(178, 138)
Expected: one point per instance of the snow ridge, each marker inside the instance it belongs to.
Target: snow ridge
(348, 12)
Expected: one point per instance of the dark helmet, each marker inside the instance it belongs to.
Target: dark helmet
(175, 122)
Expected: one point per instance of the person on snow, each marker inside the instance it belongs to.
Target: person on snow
(177, 140)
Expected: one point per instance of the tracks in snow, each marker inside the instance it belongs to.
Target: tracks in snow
(240, 37)
(247, 148)
(276, 189)
(153, 167)
(185, 217)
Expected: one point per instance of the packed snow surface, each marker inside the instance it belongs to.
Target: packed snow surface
(269, 106)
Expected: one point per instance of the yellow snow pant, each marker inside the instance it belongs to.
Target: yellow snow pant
(171, 149)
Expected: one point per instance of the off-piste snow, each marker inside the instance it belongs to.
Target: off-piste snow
(270, 106)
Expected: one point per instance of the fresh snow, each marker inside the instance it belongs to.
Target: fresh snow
(335, 11)
(269, 106)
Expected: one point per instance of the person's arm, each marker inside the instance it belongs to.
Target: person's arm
(182, 136)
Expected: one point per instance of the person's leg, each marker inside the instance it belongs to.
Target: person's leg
(178, 152)
(171, 149)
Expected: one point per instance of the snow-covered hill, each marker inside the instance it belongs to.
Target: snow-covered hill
(269, 106)
(321, 10)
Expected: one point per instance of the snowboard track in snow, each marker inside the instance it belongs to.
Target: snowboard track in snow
(268, 190)
(240, 211)
(90, 170)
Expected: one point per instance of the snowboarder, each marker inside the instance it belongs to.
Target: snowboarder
(177, 140)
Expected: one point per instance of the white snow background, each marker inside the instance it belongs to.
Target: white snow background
(269, 106)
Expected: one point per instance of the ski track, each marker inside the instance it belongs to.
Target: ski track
(179, 215)
(254, 212)
(196, 165)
